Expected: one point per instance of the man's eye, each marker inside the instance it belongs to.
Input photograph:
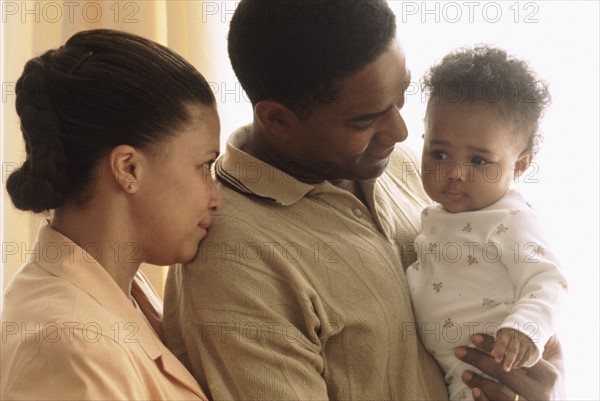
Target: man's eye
(363, 127)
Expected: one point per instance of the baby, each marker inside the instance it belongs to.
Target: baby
(483, 265)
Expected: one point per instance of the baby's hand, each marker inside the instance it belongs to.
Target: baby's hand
(515, 347)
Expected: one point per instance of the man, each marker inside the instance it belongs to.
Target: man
(298, 291)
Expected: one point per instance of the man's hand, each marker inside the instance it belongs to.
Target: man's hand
(543, 381)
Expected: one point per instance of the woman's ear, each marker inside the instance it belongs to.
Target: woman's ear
(275, 117)
(125, 167)
(522, 163)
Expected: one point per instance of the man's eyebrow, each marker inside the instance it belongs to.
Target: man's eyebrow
(370, 116)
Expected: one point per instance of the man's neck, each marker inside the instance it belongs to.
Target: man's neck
(353, 187)
(256, 148)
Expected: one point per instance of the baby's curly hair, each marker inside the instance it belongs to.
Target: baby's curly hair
(485, 74)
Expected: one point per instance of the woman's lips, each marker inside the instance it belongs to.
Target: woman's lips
(204, 227)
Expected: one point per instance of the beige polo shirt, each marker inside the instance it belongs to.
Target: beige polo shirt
(298, 292)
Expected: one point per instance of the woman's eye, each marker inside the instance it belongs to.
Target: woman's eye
(208, 165)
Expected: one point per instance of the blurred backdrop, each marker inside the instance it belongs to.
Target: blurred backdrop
(560, 40)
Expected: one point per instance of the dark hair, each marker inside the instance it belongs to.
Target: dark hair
(103, 88)
(297, 51)
(487, 75)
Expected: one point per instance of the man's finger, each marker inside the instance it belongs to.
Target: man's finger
(483, 342)
(515, 379)
(492, 390)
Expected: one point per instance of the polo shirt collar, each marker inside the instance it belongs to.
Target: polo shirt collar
(247, 174)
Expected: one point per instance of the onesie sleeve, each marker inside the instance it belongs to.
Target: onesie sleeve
(535, 272)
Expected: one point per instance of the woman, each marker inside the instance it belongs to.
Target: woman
(120, 134)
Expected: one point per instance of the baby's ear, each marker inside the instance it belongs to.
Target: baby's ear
(523, 162)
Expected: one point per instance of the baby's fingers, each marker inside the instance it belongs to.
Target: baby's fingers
(525, 352)
(513, 353)
(501, 345)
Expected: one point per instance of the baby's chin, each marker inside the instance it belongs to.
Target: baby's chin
(457, 208)
(461, 207)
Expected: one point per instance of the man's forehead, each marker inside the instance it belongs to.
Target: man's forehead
(376, 85)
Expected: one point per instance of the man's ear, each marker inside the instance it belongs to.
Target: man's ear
(523, 162)
(275, 117)
(125, 167)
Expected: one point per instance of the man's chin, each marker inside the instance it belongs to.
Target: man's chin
(373, 170)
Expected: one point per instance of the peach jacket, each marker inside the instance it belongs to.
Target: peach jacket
(69, 332)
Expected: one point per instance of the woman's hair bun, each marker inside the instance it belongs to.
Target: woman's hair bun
(102, 89)
(41, 182)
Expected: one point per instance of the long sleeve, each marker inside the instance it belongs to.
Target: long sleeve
(539, 284)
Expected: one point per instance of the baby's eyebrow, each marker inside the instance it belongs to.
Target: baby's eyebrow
(439, 142)
(480, 150)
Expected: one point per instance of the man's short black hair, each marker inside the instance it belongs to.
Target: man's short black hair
(297, 52)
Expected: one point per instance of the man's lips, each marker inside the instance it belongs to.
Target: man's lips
(382, 153)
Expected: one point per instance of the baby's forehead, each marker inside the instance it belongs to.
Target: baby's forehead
(460, 118)
(438, 105)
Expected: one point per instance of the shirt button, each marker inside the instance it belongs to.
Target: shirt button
(357, 213)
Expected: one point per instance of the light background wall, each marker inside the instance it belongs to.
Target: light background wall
(560, 39)
(31, 27)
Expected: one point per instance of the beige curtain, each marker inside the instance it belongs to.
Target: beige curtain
(31, 27)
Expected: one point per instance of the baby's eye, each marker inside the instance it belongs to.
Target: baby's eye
(479, 161)
(439, 155)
